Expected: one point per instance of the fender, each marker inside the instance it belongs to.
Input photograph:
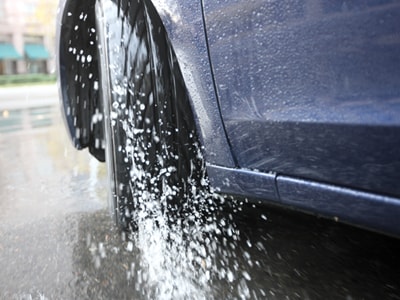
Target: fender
(184, 23)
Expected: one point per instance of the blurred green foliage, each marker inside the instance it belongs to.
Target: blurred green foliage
(23, 79)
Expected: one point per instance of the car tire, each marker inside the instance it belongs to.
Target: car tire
(152, 150)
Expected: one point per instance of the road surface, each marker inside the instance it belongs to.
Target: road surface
(57, 240)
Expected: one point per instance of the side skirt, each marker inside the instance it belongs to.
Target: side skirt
(367, 210)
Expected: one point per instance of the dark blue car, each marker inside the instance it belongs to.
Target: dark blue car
(292, 102)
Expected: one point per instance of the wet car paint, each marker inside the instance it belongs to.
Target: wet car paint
(310, 89)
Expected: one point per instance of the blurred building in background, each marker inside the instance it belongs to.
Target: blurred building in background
(27, 36)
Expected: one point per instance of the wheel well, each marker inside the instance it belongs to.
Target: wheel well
(79, 76)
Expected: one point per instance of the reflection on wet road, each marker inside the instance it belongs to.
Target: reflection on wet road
(57, 240)
(25, 119)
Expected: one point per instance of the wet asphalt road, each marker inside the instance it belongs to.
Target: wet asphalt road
(57, 240)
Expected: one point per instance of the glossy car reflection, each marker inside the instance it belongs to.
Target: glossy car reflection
(295, 103)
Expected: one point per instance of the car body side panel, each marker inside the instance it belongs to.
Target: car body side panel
(311, 89)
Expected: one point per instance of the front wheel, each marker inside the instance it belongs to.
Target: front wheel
(152, 150)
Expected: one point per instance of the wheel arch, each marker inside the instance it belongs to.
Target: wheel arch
(184, 26)
(78, 81)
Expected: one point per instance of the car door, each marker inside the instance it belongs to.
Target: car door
(311, 89)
